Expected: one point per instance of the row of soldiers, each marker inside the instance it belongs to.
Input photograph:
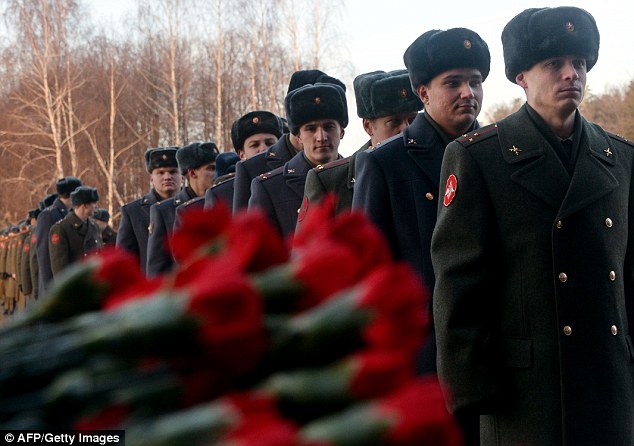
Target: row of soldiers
(26, 266)
(520, 229)
(495, 219)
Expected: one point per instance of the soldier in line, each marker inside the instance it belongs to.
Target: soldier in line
(280, 152)
(317, 114)
(26, 275)
(165, 182)
(387, 105)
(49, 216)
(4, 238)
(251, 134)
(225, 170)
(76, 235)
(45, 202)
(398, 181)
(197, 163)
(108, 235)
(534, 254)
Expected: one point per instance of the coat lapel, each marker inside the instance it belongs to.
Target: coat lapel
(541, 172)
(592, 177)
(422, 144)
(537, 169)
(295, 172)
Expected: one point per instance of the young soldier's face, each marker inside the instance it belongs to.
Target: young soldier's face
(166, 181)
(555, 84)
(385, 127)
(453, 99)
(257, 143)
(321, 140)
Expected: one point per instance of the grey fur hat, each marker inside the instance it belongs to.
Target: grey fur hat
(66, 185)
(437, 51)
(316, 101)
(252, 123)
(160, 157)
(101, 214)
(537, 34)
(84, 195)
(304, 77)
(382, 94)
(196, 154)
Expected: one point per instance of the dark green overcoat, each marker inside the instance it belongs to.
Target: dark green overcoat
(534, 291)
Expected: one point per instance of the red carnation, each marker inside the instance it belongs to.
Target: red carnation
(413, 415)
(320, 215)
(200, 229)
(254, 243)
(312, 277)
(387, 310)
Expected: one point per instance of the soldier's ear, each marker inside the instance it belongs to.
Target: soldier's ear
(520, 80)
(423, 94)
(343, 132)
(367, 126)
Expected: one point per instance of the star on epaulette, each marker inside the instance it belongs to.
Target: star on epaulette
(319, 167)
(515, 150)
(291, 171)
(178, 201)
(263, 176)
(411, 141)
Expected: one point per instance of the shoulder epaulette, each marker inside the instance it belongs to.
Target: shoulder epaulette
(331, 164)
(478, 135)
(224, 179)
(385, 142)
(621, 138)
(271, 174)
(192, 200)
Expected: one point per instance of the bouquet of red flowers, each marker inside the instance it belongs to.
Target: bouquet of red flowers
(250, 340)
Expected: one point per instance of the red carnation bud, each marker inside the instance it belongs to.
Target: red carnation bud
(201, 230)
(413, 415)
(254, 243)
(312, 277)
(387, 311)
(320, 215)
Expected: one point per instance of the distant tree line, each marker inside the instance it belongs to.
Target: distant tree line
(77, 98)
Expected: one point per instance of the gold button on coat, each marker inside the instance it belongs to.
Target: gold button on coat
(567, 330)
(608, 222)
(429, 196)
(614, 330)
(559, 224)
(612, 276)
(563, 277)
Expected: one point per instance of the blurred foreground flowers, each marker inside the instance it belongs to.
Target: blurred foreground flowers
(249, 341)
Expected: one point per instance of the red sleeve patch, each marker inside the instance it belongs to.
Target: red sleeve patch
(55, 239)
(450, 190)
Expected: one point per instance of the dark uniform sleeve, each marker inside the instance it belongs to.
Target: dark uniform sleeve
(260, 199)
(59, 249)
(126, 238)
(43, 227)
(463, 303)
(371, 195)
(159, 259)
(242, 188)
(25, 266)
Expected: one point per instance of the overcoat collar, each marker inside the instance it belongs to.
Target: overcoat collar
(295, 172)
(425, 146)
(539, 170)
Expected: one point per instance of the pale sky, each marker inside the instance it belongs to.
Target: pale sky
(376, 34)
